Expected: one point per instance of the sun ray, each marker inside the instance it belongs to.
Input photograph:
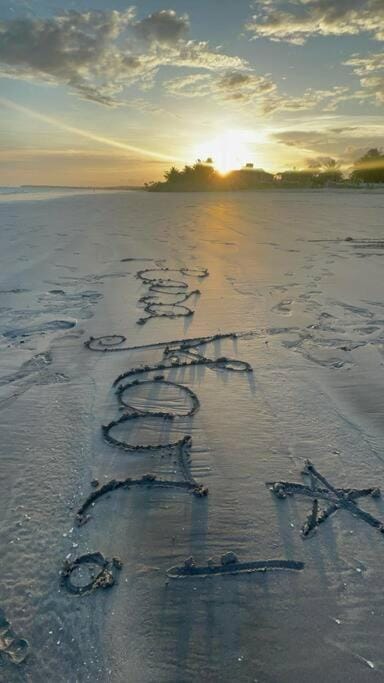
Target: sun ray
(84, 133)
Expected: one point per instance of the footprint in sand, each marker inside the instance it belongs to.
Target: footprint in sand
(11, 647)
(284, 307)
(39, 328)
(370, 329)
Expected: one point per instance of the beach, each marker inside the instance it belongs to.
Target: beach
(297, 277)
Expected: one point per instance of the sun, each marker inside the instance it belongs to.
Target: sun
(228, 150)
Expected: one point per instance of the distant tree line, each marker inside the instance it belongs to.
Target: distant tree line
(370, 167)
(203, 177)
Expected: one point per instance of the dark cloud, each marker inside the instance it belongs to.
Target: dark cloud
(73, 49)
(234, 79)
(96, 53)
(245, 86)
(343, 129)
(301, 138)
(163, 27)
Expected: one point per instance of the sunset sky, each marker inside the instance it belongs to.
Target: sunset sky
(104, 92)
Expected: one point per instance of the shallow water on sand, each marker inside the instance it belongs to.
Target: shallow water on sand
(280, 265)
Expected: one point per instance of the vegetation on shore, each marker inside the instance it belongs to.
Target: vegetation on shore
(203, 177)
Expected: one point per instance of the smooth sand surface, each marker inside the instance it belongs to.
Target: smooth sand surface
(279, 265)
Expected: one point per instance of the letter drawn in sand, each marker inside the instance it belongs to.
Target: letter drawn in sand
(337, 498)
(89, 572)
(229, 564)
(160, 286)
(177, 353)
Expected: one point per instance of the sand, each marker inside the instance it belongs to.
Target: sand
(280, 267)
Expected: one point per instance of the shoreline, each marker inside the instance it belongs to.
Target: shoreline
(268, 188)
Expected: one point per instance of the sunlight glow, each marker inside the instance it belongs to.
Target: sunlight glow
(229, 150)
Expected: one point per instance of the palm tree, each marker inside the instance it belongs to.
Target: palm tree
(172, 174)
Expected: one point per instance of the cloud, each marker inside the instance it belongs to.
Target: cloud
(365, 65)
(304, 139)
(235, 80)
(240, 87)
(163, 27)
(329, 100)
(295, 21)
(72, 49)
(190, 54)
(344, 129)
(375, 85)
(370, 69)
(97, 54)
(236, 85)
(231, 86)
(343, 144)
(193, 85)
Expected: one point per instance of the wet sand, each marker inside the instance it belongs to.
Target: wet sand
(279, 265)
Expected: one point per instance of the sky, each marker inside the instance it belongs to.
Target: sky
(105, 93)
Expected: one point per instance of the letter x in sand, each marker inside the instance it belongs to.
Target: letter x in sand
(321, 489)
